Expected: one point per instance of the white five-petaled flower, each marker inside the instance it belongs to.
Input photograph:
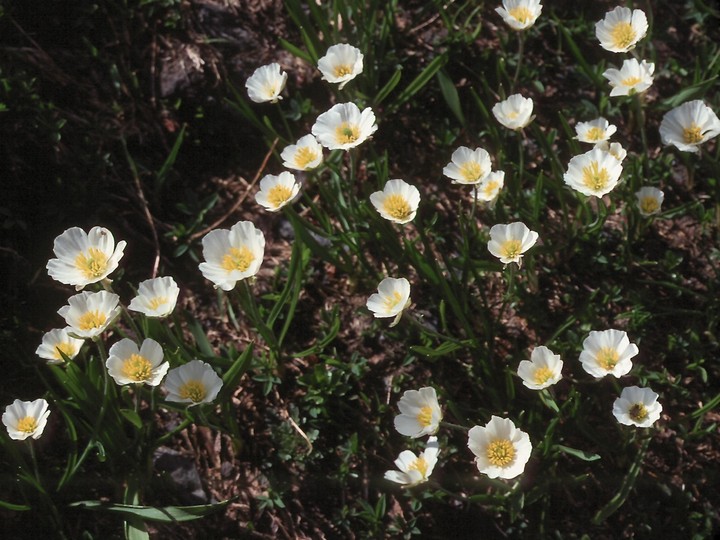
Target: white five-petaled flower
(542, 370)
(277, 191)
(595, 131)
(689, 125)
(414, 470)
(501, 450)
(508, 242)
(489, 188)
(632, 78)
(650, 200)
(614, 149)
(89, 314)
(398, 201)
(637, 407)
(621, 29)
(84, 258)
(127, 364)
(57, 343)
(232, 255)
(25, 419)
(341, 64)
(305, 154)
(520, 14)
(515, 112)
(156, 297)
(195, 382)
(607, 353)
(266, 83)
(392, 298)
(420, 413)
(594, 173)
(468, 166)
(344, 126)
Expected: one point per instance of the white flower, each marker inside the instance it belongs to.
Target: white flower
(542, 370)
(128, 365)
(392, 298)
(649, 200)
(621, 29)
(266, 83)
(398, 201)
(594, 131)
(468, 166)
(420, 413)
(341, 63)
(193, 383)
(489, 188)
(304, 155)
(84, 258)
(156, 297)
(277, 191)
(614, 149)
(607, 353)
(593, 173)
(509, 242)
(501, 450)
(414, 469)
(89, 314)
(632, 78)
(689, 125)
(232, 255)
(25, 419)
(344, 126)
(515, 112)
(637, 407)
(56, 342)
(520, 14)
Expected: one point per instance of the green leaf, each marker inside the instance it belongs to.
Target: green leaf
(198, 333)
(580, 454)
(164, 514)
(132, 417)
(450, 93)
(389, 86)
(420, 81)
(237, 370)
(696, 91)
(15, 507)
(170, 161)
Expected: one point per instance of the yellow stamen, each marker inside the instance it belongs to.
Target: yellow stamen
(91, 319)
(511, 249)
(490, 188)
(631, 81)
(66, 348)
(391, 302)
(542, 375)
(346, 133)
(649, 205)
(342, 70)
(279, 195)
(237, 259)
(595, 134)
(692, 134)
(137, 368)
(501, 452)
(594, 177)
(471, 171)
(305, 156)
(512, 115)
(622, 35)
(27, 424)
(397, 206)
(424, 417)
(270, 91)
(157, 301)
(419, 465)
(638, 412)
(521, 13)
(93, 264)
(607, 358)
(193, 390)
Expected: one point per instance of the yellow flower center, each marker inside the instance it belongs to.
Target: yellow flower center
(521, 13)
(193, 390)
(542, 375)
(342, 70)
(594, 177)
(595, 134)
(346, 133)
(424, 417)
(237, 259)
(397, 206)
(649, 205)
(66, 348)
(607, 358)
(157, 301)
(512, 115)
(638, 412)
(305, 156)
(93, 264)
(692, 134)
(91, 319)
(28, 424)
(622, 35)
(511, 249)
(631, 81)
(471, 171)
(419, 465)
(279, 195)
(137, 368)
(270, 91)
(490, 188)
(391, 302)
(501, 452)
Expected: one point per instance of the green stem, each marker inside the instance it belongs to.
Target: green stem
(456, 427)
(520, 54)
